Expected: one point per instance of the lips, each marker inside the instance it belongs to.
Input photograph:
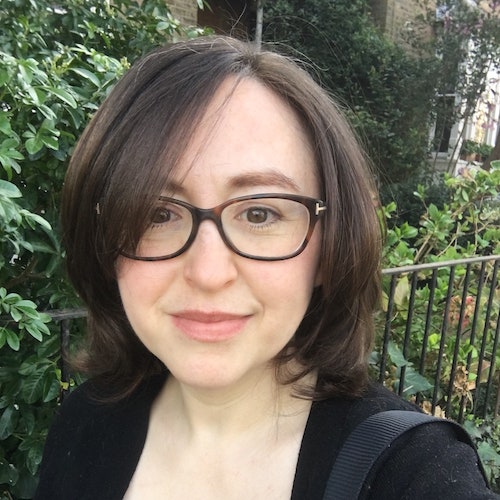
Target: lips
(214, 326)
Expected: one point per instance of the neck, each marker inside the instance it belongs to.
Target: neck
(256, 404)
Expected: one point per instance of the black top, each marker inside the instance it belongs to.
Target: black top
(93, 449)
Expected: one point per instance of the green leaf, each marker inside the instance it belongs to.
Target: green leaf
(28, 420)
(3, 337)
(396, 355)
(433, 211)
(4, 77)
(8, 422)
(16, 316)
(50, 141)
(472, 429)
(12, 340)
(35, 218)
(34, 145)
(88, 75)
(402, 290)
(51, 388)
(414, 382)
(8, 473)
(9, 190)
(34, 457)
(32, 388)
(488, 454)
(27, 310)
(65, 96)
(5, 124)
(36, 329)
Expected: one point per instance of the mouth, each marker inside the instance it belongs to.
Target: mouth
(209, 327)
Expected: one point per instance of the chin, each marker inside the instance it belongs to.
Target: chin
(219, 375)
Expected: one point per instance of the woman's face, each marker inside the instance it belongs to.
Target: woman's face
(214, 318)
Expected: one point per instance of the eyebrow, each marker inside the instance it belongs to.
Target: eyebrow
(268, 178)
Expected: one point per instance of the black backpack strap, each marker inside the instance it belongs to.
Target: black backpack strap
(365, 445)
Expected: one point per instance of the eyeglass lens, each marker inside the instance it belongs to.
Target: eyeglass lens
(256, 227)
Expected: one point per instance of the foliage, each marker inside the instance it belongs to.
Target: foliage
(409, 208)
(440, 330)
(57, 63)
(486, 433)
(474, 150)
(467, 225)
(384, 88)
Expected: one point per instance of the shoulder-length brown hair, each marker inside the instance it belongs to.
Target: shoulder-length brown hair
(125, 157)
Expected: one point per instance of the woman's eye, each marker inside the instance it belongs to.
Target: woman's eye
(161, 216)
(257, 215)
(260, 216)
(167, 215)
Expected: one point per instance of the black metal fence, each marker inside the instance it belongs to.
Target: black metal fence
(438, 336)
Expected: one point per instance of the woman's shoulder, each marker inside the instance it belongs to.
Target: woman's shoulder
(90, 411)
(436, 460)
(94, 398)
(330, 422)
(375, 399)
(455, 462)
(93, 438)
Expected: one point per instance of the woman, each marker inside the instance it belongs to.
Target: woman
(219, 223)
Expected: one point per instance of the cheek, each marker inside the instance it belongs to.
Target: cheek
(291, 283)
(128, 276)
(139, 282)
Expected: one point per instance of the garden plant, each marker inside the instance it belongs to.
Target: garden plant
(57, 63)
(448, 348)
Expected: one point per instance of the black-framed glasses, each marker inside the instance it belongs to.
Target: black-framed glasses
(270, 226)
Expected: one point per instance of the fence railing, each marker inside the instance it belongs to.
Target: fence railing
(437, 337)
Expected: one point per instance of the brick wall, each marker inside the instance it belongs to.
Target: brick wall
(236, 17)
(186, 11)
(399, 17)
(379, 12)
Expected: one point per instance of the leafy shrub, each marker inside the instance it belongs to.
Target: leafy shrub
(475, 150)
(441, 332)
(466, 224)
(57, 63)
(408, 207)
(486, 433)
(383, 88)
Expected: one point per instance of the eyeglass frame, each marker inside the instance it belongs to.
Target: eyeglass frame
(316, 208)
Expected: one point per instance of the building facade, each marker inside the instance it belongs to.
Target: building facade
(400, 19)
(222, 16)
(186, 11)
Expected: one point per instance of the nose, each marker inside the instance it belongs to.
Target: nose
(209, 264)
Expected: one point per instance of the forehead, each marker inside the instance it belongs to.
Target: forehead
(248, 138)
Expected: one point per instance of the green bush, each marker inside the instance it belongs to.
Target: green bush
(475, 150)
(466, 225)
(486, 433)
(57, 63)
(387, 93)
